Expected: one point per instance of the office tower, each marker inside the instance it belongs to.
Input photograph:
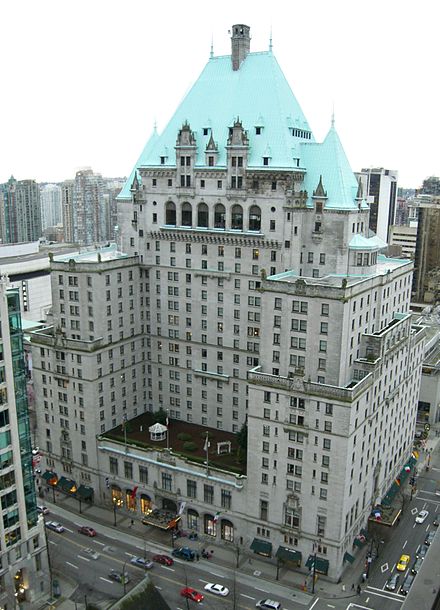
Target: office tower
(24, 574)
(51, 212)
(427, 256)
(21, 213)
(266, 301)
(404, 239)
(380, 188)
(67, 208)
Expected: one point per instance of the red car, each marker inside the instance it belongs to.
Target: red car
(87, 531)
(191, 593)
(163, 559)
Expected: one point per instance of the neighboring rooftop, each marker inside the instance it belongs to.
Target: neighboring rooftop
(106, 253)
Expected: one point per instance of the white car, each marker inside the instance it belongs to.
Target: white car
(42, 510)
(217, 589)
(422, 516)
(55, 526)
(90, 553)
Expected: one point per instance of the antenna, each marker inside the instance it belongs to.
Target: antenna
(270, 39)
(211, 55)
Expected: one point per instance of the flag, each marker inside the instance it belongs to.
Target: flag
(167, 421)
(207, 444)
(133, 493)
(216, 516)
(181, 508)
(397, 481)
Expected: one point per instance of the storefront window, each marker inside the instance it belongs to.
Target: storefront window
(210, 526)
(146, 505)
(227, 531)
(130, 500)
(193, 519)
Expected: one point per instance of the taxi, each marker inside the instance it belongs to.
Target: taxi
(403, 563)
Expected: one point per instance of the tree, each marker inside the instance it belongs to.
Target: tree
(242, 441)
(160, 416)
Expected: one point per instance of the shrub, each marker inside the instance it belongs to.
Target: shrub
(189, 446)
(184, 436)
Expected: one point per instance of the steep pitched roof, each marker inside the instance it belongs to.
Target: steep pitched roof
(329, 161)
(258, 93)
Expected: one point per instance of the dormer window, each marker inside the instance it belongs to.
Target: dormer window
(265, 160)
(318, 207)
(163, 160)
(205, 131)
(211, 161)
(258, 131)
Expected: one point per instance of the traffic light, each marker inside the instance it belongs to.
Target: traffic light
(107, 482)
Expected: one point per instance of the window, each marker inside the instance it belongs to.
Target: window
(166, 481)
(264, 510)
(128, 470)
(226, 499)
(113, 465)
(191, 488)
(208, 494)
(143, 475)
(324, 309)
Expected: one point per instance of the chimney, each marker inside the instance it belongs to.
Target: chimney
(240, 42)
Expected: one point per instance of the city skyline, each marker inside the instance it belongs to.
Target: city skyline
(96, 103)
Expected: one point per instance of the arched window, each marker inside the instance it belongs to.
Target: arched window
(193, 519)
(209, 525)
(146, 504)
(117, 496)
(186, 215)
(130, 499)
(219, 216)
(170, 213)
(202, 215)
(237, 217)
(227, 530)
(254, 218)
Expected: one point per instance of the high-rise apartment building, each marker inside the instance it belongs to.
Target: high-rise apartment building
(21, 213)
(24, 571)
(51, 210)
(380, 189)
(263, 298)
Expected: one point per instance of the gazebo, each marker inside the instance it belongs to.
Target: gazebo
(158, 432)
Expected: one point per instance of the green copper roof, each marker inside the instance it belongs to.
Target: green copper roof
(258, 94)
(125, 192)
(359, 242)
(329, 161)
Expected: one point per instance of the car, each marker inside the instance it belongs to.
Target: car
(406, 585)
(268, 604)
(430, 537)
(435, 523)
(422, 550)
(184, 552)
(437, 491)
(417, 565)
(140, 562)
(191, 593)
(392, 582)
(422, 516)
(55, 526)
(163, 559)
(42, 510)
(217, 589)
(87, 531)
(90, 553)
(403, 563)
(122, 577)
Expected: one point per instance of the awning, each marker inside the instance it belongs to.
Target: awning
(66, 485)
(287, 554)
(321, 565)
(388, 499)
(359, 542)
(50, 477)
(84, 492)
(261, 547)
(348, 557)
(162, 519)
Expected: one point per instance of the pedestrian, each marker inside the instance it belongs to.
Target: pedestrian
(131, 523)
(198, 557)
(352, 586)
(359, 589)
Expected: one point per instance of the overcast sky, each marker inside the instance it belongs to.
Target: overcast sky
(83, 81)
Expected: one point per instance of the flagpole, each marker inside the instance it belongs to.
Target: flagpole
(168, 430)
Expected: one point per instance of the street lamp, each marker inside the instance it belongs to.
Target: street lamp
(114, 511)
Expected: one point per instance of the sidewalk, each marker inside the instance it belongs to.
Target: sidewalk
(249, 564)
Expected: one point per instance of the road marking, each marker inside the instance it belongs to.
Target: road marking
(414, 511)
(201, 580)
(427, 528)
(436, 508)
(72, 565)
(314, 603)
(367, 600)
(156, 587)
(258, 589)
(218, 575)
(392, 569)
(404, 545)
(106, 579)
(249, 597)
(373, 590)
(67, 530)
(129, 554)
(83, 558)
(384, 567)
(101, 543)
(52, 542)
(167, 568)
(330, 606)
(414, 525)
(424, 506)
